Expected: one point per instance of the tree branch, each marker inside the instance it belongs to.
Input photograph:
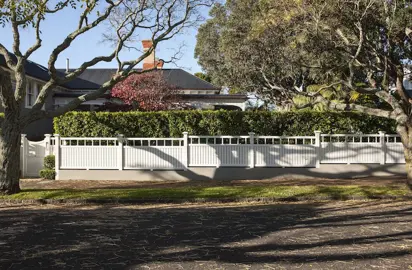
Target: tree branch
(37, 45)
(71, 37)
(11, 64)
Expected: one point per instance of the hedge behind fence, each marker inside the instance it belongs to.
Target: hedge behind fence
(174, 123)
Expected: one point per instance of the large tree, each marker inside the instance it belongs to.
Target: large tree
(161, 19)
(309, 49)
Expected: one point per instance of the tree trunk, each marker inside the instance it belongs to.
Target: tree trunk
(405, 131)
(408, 160)
(10, 156)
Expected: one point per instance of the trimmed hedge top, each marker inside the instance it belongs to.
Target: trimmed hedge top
(174, 123)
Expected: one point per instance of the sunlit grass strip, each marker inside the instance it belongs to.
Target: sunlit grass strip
(223, 192)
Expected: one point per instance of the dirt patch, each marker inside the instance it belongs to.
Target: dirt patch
(88, 184)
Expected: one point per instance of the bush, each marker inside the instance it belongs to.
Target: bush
(48, 174)
(49, 162)
(174, 123)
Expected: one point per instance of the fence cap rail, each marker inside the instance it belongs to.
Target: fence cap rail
(88, 138)
(219, 137)
(285, 137)
(350, 135)
(154, 139)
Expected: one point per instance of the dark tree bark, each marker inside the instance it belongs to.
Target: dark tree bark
(405, 131)
(408, 160)
(9, 141)
(10, 156)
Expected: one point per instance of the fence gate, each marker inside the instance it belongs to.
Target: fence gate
(32, 155)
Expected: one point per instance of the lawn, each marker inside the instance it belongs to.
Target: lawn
(215, 193)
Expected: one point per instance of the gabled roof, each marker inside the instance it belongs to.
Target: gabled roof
(176, 77)
(42, 73)
(93, 78)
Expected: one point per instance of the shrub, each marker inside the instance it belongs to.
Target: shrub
(48, 174)
(49, 162)
(174, 123)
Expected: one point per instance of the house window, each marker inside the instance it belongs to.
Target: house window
(31, 94)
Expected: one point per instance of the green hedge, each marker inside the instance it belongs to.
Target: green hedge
(174, 123)
(48, 174)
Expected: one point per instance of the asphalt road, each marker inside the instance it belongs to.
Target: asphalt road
(340, 235)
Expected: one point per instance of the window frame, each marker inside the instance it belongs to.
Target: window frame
(30, 93)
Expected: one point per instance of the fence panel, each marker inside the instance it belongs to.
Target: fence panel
(159, 153)
(88, 153)
(394, 150)
(274, 151)
(342, 148)
(215, 151)
(219, 151)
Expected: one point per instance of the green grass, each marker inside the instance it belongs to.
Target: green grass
(222, 192)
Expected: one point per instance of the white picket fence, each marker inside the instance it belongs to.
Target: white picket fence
(122, 153)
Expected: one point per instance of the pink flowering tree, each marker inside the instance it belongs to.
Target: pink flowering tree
(147, 92)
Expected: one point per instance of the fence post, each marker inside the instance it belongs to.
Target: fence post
(186, 150)
(252, 150)
(47, 141)
(24, 155)
(57, 155)
(318, 147)
(120, 147)
(383, 147)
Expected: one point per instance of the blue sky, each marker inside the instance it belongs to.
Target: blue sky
(56, 27)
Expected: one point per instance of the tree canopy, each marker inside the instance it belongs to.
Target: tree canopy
(283, 49)
(203, 76)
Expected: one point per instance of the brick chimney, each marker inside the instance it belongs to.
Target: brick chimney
(150, 61)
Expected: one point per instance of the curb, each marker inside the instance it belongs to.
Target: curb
(203, 200)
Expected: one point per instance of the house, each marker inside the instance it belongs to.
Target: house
(195, 91)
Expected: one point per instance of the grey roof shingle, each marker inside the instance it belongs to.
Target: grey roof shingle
(42, 73)
(93, 78)
(176, 77)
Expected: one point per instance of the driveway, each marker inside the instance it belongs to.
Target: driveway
(343, 235)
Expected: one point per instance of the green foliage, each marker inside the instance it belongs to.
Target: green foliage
(49, 168)
(203, 76)
(49, 162)
(174, 123)
(274, 48)
(48, 174)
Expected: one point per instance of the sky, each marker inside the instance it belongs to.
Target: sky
(57, 26)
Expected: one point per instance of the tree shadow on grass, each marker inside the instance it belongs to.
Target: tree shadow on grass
(304, 235)
(215, 193)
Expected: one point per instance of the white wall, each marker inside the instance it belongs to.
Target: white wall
(204, 103)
